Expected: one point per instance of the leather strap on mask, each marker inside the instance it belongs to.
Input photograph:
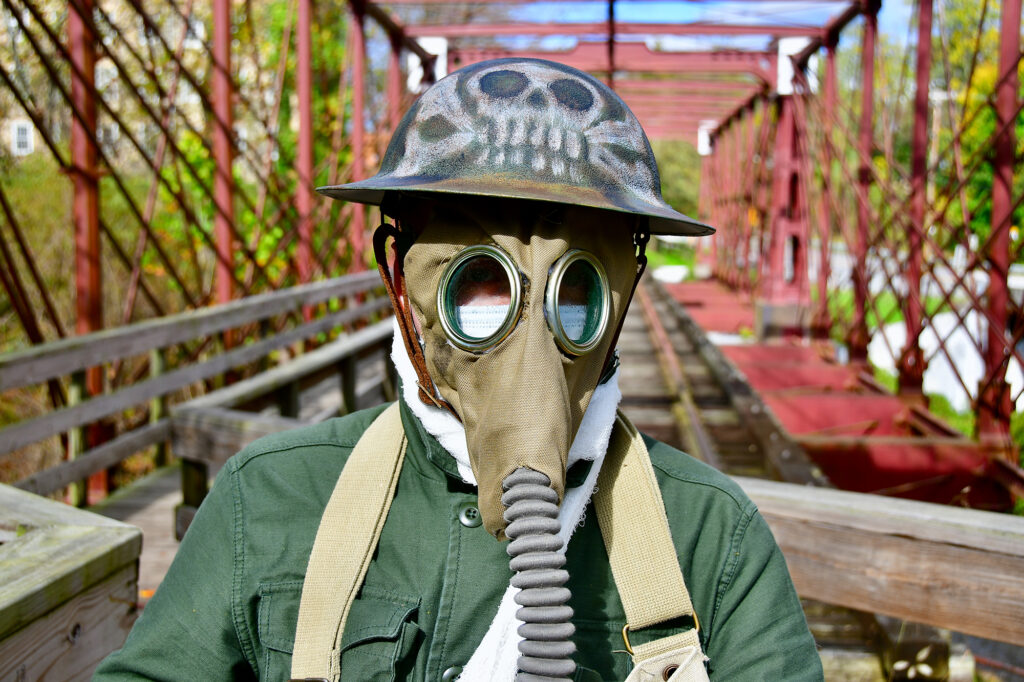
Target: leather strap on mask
(641, 236)
(396, 292)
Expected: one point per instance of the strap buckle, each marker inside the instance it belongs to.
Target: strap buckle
(625, 633)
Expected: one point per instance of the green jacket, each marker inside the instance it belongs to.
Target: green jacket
(228, 606)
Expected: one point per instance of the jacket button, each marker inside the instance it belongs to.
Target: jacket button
(451, 673)
(469, 516)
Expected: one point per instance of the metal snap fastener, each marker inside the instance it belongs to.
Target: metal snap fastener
(469, 515)
(451, 673)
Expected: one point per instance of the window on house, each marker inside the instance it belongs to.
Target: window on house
(22, 140)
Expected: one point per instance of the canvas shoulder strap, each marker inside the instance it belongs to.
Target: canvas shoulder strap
(633, 523)
(346, 539)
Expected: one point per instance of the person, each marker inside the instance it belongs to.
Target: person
(523, 193)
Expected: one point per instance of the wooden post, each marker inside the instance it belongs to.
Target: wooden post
(347, 368)
(158, 405)
(390, 377)
(194, 486)
(288, 399)
(76, 439)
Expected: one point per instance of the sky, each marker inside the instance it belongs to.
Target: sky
(893, 18)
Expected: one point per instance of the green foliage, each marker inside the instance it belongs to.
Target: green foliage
(667, 254)
(886, 308)
(679, 166)
(940, 406)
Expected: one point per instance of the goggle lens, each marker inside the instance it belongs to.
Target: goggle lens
(480, 295)
(581, 302)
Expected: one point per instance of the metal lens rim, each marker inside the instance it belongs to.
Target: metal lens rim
(558, 270)
(446, 314)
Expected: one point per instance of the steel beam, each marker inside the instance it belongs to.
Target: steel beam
(830, 32)
(358, 47)
(395, 85)
(699, 28)
(86, 217)
(304, 191)
(638, 57)
(822, 323)
(859, 336)
(911, 362)
(673, 86)
(223, 154)
(396, 31)
(610, 28)
(994, 400)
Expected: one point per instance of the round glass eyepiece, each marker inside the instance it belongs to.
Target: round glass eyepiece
(577, 302)
(479, 298)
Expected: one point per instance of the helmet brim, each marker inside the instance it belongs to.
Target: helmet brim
(664, 219)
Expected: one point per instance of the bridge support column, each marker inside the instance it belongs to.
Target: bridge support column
(994, 399)
(86, 217)
(783, 303)
(911, 362)
(859, 335)
(395, 84)
(821, 325)
(224, 183)
(304, 191)
(358, 46)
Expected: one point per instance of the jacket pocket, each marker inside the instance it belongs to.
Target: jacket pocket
(379, 642)
(278, 614)
(381, 638)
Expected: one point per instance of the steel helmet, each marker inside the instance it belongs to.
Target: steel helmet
(526, 129)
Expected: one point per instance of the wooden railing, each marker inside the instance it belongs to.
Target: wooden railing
(955, 568)
(351, 301)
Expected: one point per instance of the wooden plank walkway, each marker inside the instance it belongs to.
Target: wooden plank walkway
(149, 504)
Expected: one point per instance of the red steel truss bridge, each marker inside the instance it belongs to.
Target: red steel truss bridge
(849, 343)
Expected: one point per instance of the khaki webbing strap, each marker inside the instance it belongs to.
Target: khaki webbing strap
(632, 518)
(346, 539)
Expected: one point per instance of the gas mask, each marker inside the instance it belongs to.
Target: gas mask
(517, 305)
(524, 191)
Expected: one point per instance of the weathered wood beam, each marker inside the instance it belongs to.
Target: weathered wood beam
(31, 431)
(61, 552)
(213, 434)
(955, 568)
(99, 458)
(59, 358)
(266, 382)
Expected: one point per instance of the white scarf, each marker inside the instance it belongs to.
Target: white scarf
(496, 655)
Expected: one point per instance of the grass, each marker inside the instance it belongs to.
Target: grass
(886, 308)
(671, 255)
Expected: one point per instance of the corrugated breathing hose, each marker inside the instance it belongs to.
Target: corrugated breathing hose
(531, 511)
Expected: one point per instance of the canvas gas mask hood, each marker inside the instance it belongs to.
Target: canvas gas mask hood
(514, 307)
(524, 191)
